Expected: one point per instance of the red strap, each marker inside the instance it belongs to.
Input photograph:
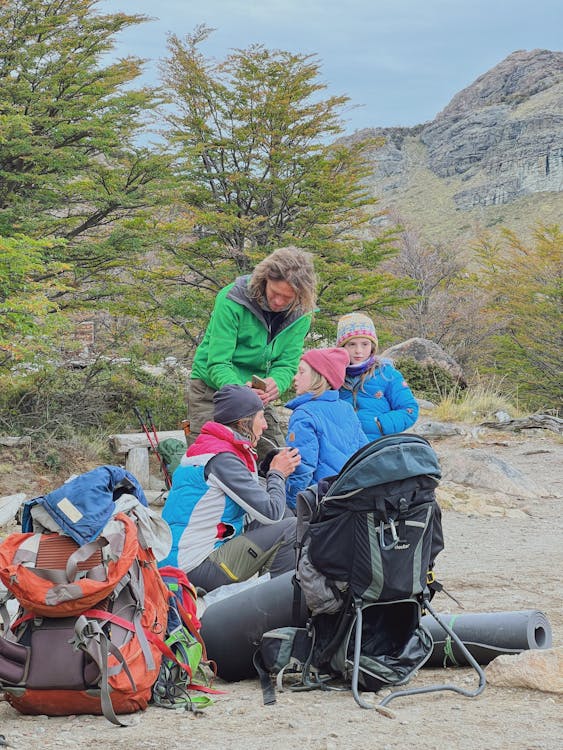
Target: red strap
(23, 618)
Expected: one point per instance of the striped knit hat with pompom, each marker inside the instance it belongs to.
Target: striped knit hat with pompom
(354, 326)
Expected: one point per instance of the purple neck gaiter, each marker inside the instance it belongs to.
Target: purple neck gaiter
(354, 370)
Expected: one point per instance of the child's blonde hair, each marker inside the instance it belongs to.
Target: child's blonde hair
(319, 384)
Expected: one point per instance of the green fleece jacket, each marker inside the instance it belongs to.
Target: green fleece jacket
(238, 344)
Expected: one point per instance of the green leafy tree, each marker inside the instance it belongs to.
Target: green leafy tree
(261, 167)
(71, 166)
(525, 282)
(29, 319)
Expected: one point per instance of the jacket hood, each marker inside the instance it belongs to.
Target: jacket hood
(217, 438)
(239, 293)
(330, 395)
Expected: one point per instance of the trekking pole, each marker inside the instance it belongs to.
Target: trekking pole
(143, 426)
(154, 446)
(150, 422)
(164, 468)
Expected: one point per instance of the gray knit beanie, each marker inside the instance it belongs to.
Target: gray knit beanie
(234, 402)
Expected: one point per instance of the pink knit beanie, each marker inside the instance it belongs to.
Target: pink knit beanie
(355, 326)
(330, 363)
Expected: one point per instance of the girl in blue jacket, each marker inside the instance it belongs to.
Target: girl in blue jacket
(377, 391)
(324, 429)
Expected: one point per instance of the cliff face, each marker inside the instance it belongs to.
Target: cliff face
(498, 141)
(504, 133)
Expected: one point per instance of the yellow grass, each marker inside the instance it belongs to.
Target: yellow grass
(474, 404)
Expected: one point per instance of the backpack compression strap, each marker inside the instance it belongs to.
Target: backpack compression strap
(154, 639)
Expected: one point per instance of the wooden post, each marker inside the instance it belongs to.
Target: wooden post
(137, 462)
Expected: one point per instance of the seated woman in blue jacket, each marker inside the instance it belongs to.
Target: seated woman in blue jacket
(378, 391)
(323, 428)
(226, 526)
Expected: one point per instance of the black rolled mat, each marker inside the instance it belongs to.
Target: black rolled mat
(233, 627)
(486, 635)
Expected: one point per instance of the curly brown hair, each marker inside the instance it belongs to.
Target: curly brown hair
(292, 265)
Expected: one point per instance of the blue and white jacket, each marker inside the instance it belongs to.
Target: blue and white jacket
(384, 402)
(214, 490)
(327, 432)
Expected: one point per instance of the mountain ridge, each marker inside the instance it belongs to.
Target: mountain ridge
(493, 156)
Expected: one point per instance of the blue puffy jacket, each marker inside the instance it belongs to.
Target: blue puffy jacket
(384, 402)
(327, 432)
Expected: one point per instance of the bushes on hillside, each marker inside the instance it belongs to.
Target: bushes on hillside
(58, 403)
(426, 381)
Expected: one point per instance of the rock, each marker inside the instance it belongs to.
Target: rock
(474, 502)
(490, 134)
(479, 469)
(424, 404)
(155, 498)
(535, 669)
(426, 353)
(11, 442)
(429, 429)
(387, 712)
(9, 506)
(496, 143)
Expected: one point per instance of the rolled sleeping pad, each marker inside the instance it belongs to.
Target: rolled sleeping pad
(232, 628)
(486, 635)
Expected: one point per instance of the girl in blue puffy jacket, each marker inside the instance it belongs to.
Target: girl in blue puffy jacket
(378, 392)
(324, 429)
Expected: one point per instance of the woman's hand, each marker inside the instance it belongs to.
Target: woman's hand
(286, 461)
(269, 393)
(272, 391)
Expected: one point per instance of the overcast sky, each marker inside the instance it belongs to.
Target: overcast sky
(399, 61)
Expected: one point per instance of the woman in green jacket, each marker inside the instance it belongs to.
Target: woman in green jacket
(257, 328)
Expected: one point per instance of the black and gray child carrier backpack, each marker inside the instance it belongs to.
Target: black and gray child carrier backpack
(367, 539)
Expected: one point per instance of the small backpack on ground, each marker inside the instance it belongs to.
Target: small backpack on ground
(186, 674)
(171, 451)
(367, 540)
(87, 635)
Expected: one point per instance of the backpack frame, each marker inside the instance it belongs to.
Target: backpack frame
(186, 674)
(367, 541)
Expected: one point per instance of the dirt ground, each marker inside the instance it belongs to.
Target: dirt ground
(492, 562)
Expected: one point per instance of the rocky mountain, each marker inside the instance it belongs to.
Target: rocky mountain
(493, 156)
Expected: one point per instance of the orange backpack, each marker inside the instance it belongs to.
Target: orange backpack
(88, 634)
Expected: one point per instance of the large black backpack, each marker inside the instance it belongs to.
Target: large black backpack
(368, 540)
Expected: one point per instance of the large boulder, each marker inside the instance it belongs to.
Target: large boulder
(479, 469)
(427, 354)
(9, 507)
